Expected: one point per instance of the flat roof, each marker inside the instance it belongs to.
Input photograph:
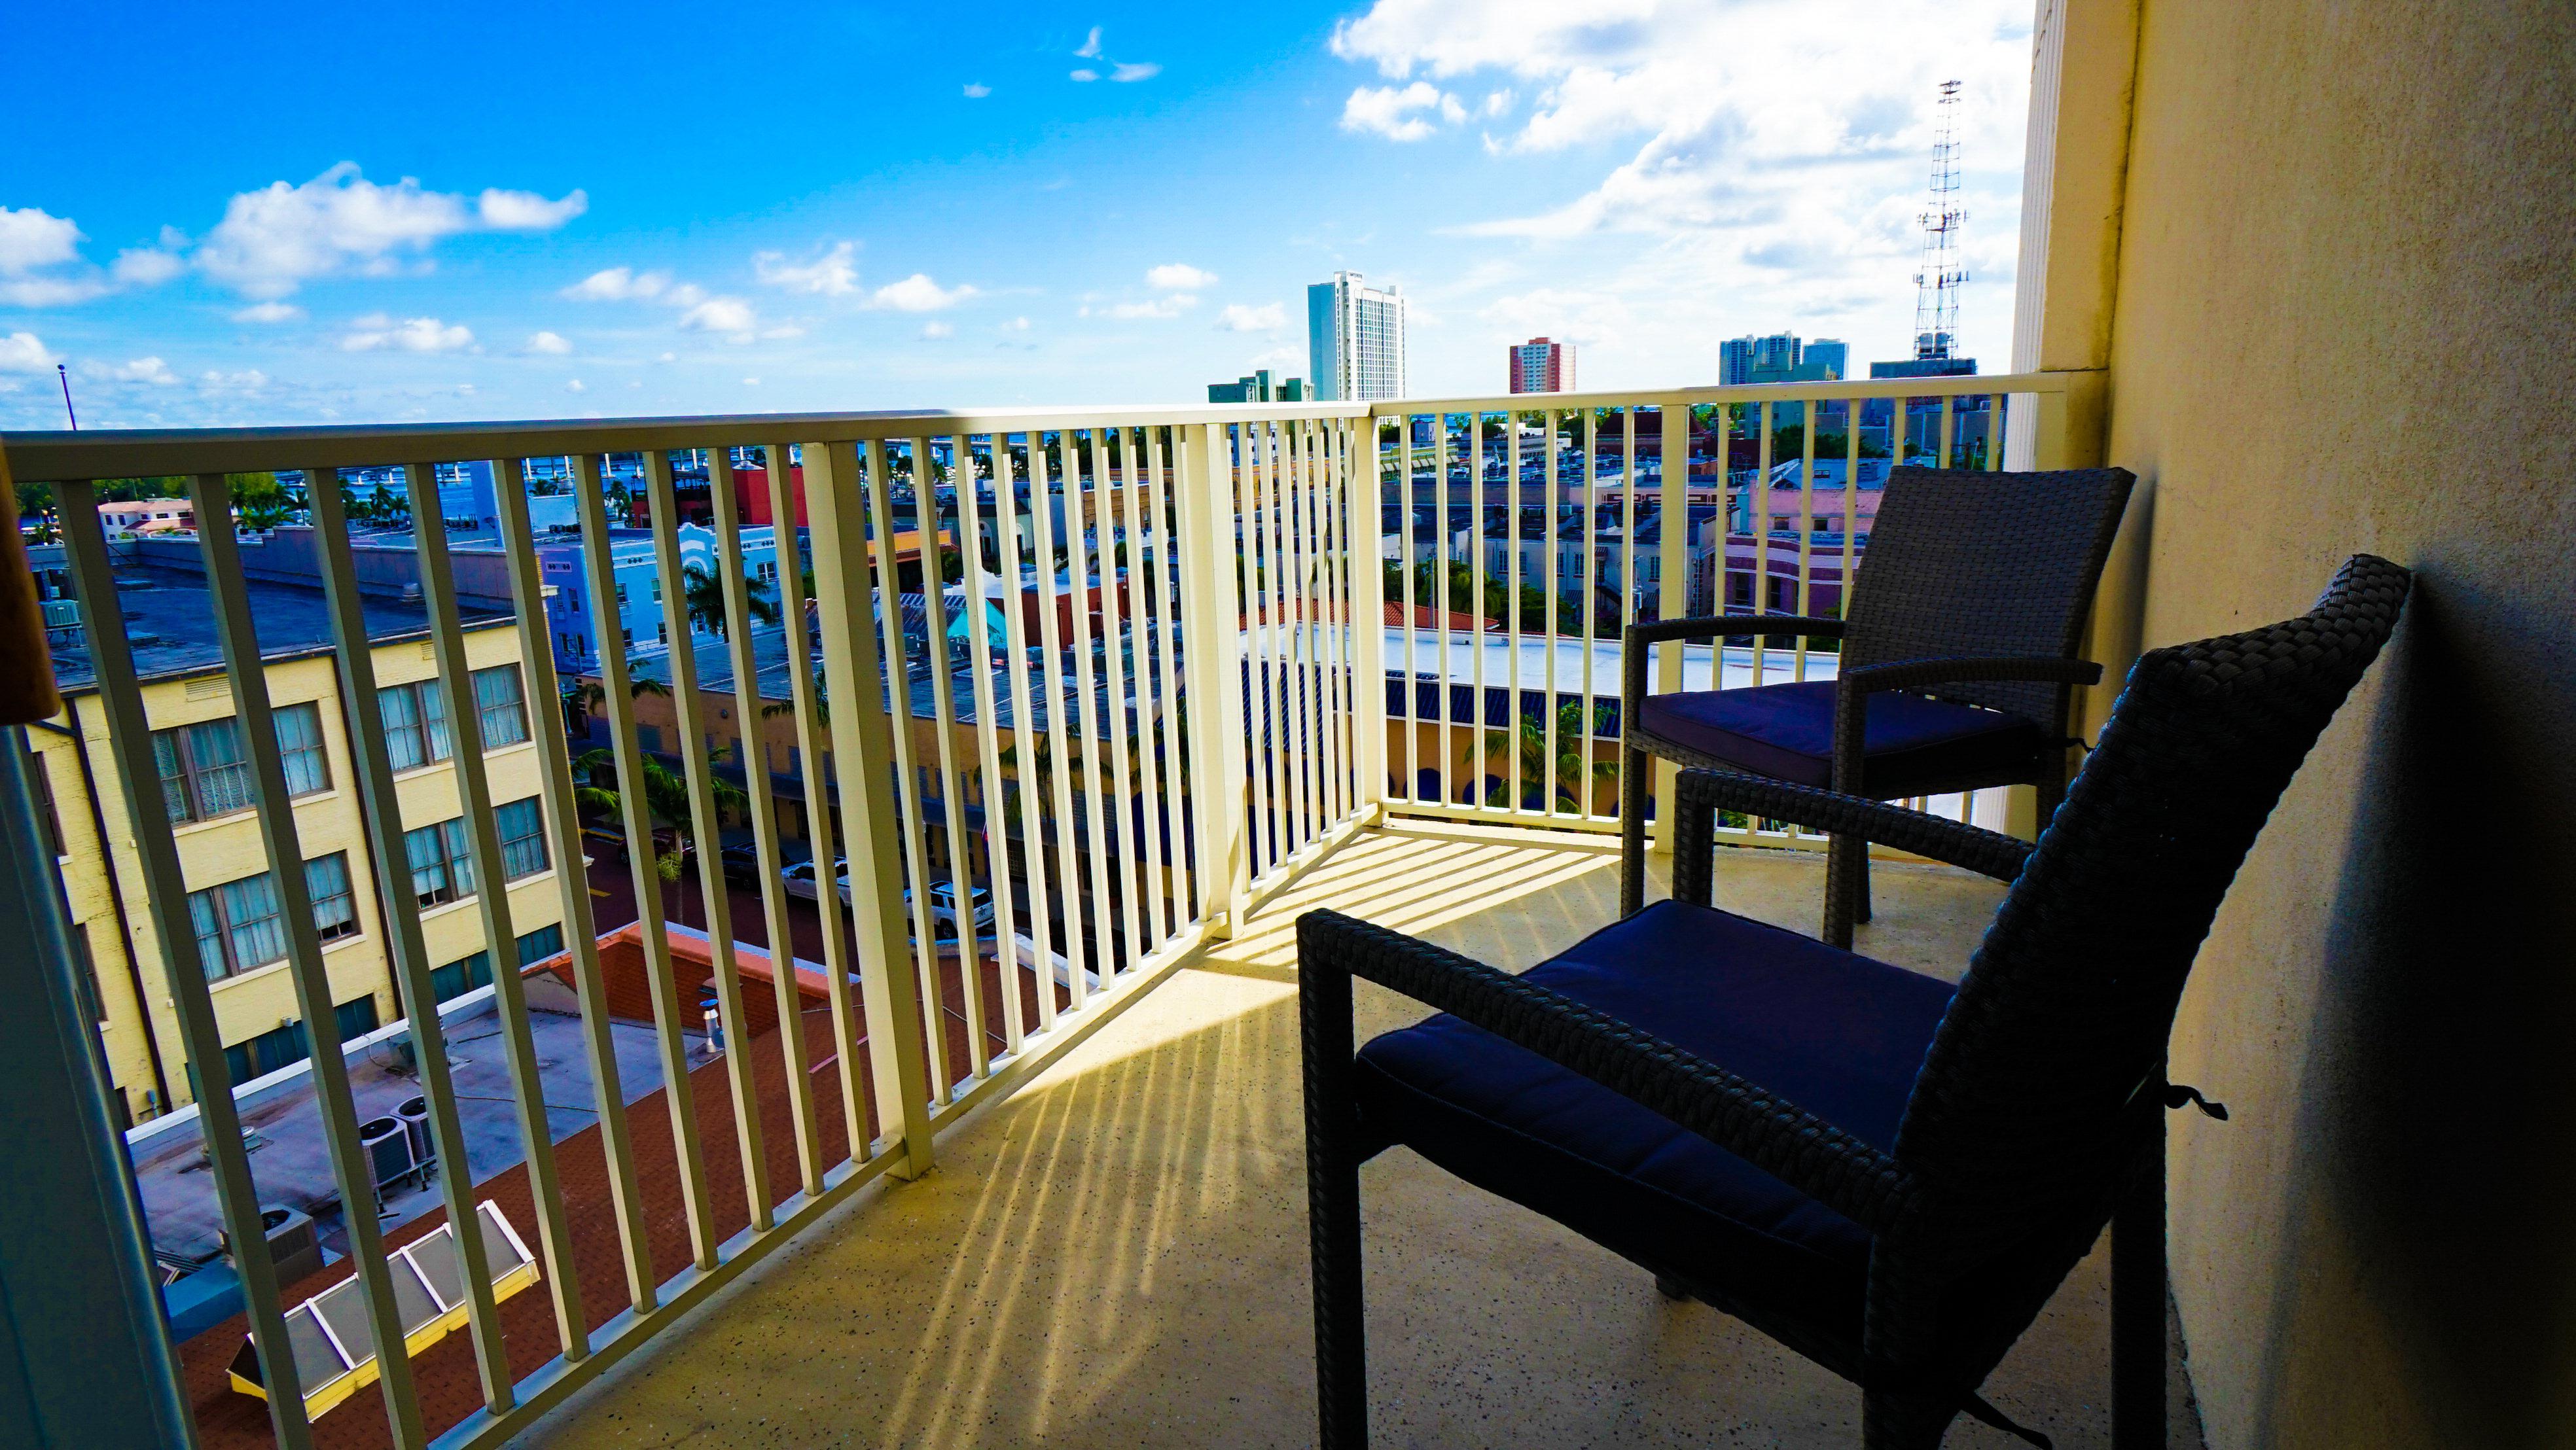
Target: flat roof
(170, 623)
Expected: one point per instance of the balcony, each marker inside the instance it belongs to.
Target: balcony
(1180, 675)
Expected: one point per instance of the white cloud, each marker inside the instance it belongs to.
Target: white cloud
(51, 291)
(751, 382)
(1126, 71)
(1179, 277)
(31, 238)
(548, 342)
(22, 352)
(1091, 47)
(147, 370)
(1389, 111)
(273, 240)
(1086, 74)
(1161, 310)
(977, 90)
(1237, 317)
(1016, 324)
(576, 385)
(376, 331)
(146, 266)
(834, 274)
(931, 331)
(525, 211)
(728, 315)
(269, 312)
(618, 284)
(1773, 168)
(917, 293)
(249, 380)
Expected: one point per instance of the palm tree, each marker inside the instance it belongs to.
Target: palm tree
(666, 801)
(583, 696)
(1577, 771)
(702, 594)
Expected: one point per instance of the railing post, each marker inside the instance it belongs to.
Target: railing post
(1673, 589)
(1212, 653)
(1365, 530)
(863, 739)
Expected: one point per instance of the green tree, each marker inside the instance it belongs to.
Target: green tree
(1572, 775)
(666, 803)
(702, 594)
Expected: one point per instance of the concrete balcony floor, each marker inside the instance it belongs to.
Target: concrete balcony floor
(1116, 1256)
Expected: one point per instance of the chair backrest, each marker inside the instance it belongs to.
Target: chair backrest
(1969, 563)
(2070, 998)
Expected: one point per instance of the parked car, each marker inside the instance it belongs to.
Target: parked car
(603, 843)
(943, 909)
(741, 863)
(800, 878)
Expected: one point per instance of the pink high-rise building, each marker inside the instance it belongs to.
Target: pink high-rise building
(1541, 366)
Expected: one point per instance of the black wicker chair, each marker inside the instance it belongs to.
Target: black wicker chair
(1889, 1175)
(1959, 642)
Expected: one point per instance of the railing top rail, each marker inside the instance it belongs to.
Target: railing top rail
(50, 457)
(1961, 385)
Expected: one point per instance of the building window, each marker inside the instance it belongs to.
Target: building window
(240, 927)
(237, 926)
(203, 771)
(266, 1053)
(621, 594)
(627, 637)
(335, 906)
(48, 819)
(467, 973)
(498, 701)
(522, 827)
(662, 631)
(441, 869)
(415, 723)
(299, 749)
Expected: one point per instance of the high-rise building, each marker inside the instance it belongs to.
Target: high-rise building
(1354, 340)
(1780, 358)
(1258, 387)
(1542, 366)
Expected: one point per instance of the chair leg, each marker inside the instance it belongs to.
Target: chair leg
(1838, 895)
(1333, 1207)
(1636, 774)
(2138, 1290)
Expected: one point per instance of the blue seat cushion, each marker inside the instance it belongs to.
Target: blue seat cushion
(1839, 1035)
(1786, 732)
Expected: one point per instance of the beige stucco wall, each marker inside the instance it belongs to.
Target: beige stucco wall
(2345, 308)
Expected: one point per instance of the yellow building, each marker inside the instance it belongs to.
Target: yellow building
(206, 788)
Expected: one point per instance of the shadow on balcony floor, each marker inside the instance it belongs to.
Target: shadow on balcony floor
(1117, 1255)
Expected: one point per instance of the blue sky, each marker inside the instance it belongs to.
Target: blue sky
(301, 213)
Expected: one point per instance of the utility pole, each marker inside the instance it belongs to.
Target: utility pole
(65, 374)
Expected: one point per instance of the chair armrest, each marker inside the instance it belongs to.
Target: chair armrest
(1710, 626)
(1636, 637)
(1851, 715)
(1775, 1135)
(1704, 792)
(1912, 674)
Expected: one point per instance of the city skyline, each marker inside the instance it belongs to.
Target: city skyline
(1009, 232)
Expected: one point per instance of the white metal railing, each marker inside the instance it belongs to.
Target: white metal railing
(1131, 708)
(1495, 718)
(1034, 751)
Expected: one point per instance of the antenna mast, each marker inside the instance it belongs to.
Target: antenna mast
(1936, 300)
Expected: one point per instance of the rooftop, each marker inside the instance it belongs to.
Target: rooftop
(170, 622)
